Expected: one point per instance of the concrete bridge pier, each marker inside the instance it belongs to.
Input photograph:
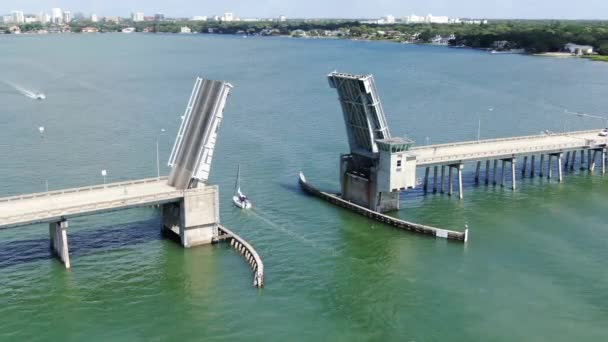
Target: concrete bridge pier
(582, 159)
(590, 161)
(426, 179)
(195, 219)
(442, 178)
(593, 161)
(573, 161)
(460, 192)
(540, 166)
(477, 172)
(532, 165)
(59, 241)
(435, 179)
(603, 161)
(523, 169)
(487, 172)
(513, 178)
(494, 174)
(560, 176)
(502, 174)
(567, 161)
(450, 181)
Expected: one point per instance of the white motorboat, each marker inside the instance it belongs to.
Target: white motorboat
(239, 199)
(40, 96)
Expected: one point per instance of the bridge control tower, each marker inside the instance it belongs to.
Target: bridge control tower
(378, 165)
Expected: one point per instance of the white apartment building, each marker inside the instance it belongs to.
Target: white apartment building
(67, 16)
(228, 16)
(56, 16)
(94, 18)
(137, 16)
(17, 17)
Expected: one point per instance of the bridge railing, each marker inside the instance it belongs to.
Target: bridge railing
(48, 214)
(525, 137)
(82, 189)
(504, 152)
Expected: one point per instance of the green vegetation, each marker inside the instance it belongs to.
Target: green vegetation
(531, 36)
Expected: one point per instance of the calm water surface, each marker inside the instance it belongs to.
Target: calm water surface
(534, 268)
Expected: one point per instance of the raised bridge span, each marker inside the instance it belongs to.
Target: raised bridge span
(379, 166)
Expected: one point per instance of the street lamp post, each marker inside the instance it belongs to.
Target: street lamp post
(41, 130)
(157, 154)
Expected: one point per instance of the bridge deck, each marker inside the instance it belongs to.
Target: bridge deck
(507, 148)
(54, 205)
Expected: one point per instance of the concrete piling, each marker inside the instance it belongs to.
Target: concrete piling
(426, 179)
(559, 168)
(494, 174)
(487, 172)
(513, 179)
(477, 172)
(541, 166)
(550, 167)
(532, 165)
(442, 178)
(435, 179)
(523, 169)
(59, 241)
(603, 161)
(502, 181)
(573, 161)
(567, 161)
(593, 161)
(450, 182)
(460, 192)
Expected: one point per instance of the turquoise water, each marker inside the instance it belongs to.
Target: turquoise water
(534, 268)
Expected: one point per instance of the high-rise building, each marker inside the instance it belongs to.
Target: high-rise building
(56, 16)
(282, 18)
(227, 17)
(94, 18)
(67, 16)
(137, 16)
(17, 17)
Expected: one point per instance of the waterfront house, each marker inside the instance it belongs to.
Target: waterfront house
(579, 50)
(89, 29)
(185, 29)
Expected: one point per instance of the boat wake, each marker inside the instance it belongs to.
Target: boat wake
(258, 214)
(31, 94)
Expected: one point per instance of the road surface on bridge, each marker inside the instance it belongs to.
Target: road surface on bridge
(56, 205)
(507, 148)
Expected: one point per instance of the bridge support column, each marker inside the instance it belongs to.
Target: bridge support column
(523, 168)
(593, 161)
(582, 159)
(513, 178)
(442, 178)
(495, 170)
(573, 161)
(487, 172)
(425, 187)
(567, 162)
(59, 241)
(450, 181)
(502, 174)
(550, 167)
(460, 192)
(435, 179)
(193, 220)
(560, 176)
(477, 172)
(603, 161)
(541, 166)
(532, 165)
(589, 160)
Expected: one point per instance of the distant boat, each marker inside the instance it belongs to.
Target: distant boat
(128, 30)
(239, 199)
(40, 96)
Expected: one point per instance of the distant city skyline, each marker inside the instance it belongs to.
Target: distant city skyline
(523, 9)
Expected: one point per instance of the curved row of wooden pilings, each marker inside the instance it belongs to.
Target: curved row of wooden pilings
(247, 251)
(374, 215)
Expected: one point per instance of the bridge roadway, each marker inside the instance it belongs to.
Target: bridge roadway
(54, 206)
(470, 151)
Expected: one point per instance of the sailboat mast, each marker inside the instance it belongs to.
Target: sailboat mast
(237, 185)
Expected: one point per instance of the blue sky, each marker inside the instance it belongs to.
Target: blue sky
(559, 9)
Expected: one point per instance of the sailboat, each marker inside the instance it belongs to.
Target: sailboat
(239, 199)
